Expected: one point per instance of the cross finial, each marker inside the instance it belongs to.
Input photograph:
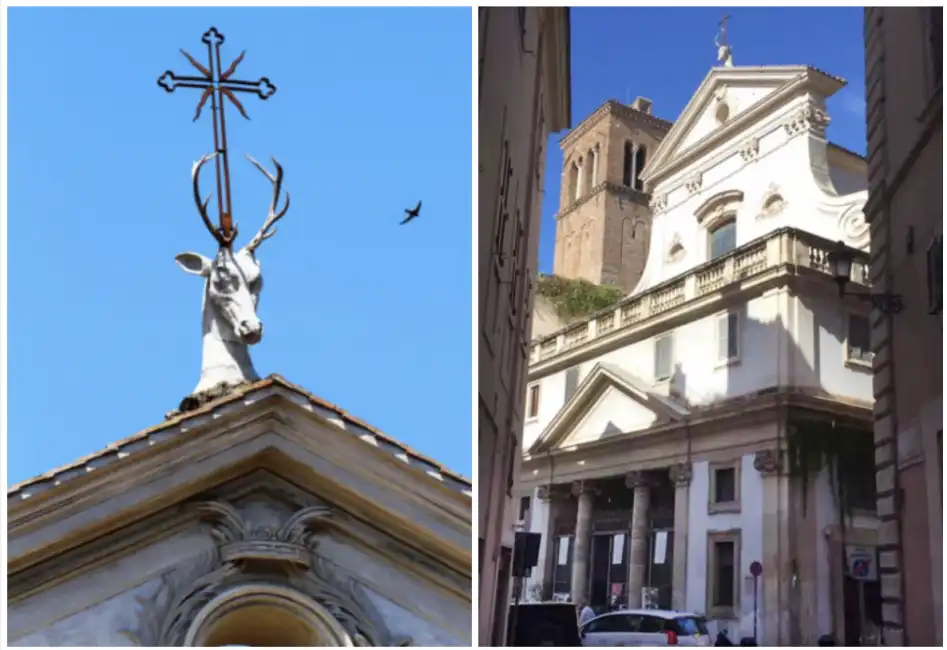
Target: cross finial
(724, 53)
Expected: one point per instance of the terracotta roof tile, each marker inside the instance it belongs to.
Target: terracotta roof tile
(148, 437)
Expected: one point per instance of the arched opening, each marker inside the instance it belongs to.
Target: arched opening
(573, 186)
(627, 165)
(639, 167)
(591, 161)
(723, 237)
(265, 615)
(580, 175)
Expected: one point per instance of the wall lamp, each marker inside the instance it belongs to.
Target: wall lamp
(840, 264)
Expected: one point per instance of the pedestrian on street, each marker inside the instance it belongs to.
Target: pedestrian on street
(586, 613)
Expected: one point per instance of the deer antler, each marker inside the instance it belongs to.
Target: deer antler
(217, 233)
(273, 216)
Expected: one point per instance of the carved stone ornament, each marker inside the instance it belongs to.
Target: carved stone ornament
(750, 149)
(635, 480)
(773, 202)
(583, 487)
(659, 202)
(543, 493)
(769, 462)
(807, 119)
(246, 556)
(681, 474)
(694, 183)
(853, 226)
(675, 250)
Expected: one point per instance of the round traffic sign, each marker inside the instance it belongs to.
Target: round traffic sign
(860, 568)
(756, 569)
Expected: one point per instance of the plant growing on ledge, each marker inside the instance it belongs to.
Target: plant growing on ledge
(576, 299)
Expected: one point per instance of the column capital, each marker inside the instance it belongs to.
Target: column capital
(543, 492)
(637, 480)
(583, 487)
(769, 462)
(681, 474)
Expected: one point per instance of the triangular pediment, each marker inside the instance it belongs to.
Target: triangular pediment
(609, 402)
(271, 425)
(731, 100)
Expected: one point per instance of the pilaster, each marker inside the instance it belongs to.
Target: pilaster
(774, 614)
(681, 478)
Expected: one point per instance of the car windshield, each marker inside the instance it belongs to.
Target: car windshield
(691, 625)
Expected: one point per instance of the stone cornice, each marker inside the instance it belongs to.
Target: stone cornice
(604, 186)
(795, 79)
(613, 107)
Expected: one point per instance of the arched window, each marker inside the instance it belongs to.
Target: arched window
(639, 166)
(723, 237)
(580, 177)
(573, 187)
(590, 161)
(593, 156)
(627, 165)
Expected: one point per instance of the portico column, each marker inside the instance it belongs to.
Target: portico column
(638, 562)
(776, 578)
(681, 478)
(583, 539)
(547, 543)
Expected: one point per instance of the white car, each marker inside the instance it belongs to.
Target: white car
(645, 627)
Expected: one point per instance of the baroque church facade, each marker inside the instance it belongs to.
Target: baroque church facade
(265, 517)
(717, 421)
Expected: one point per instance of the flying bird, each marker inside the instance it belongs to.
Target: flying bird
(411, 214)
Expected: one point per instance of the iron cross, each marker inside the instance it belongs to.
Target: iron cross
(723, 28)
(218, 85)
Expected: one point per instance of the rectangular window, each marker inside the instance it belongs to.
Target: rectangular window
(724, 493)
(728, 337)
(524, 508)
(858, 344)
(663, 357)
(532, 402)
(723, 239)
(723, 574)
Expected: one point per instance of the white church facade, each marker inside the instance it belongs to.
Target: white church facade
(719, 416)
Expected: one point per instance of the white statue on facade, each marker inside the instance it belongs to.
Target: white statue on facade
(724, 53)
(232, 285)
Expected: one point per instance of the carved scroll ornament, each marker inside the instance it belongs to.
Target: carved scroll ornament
(288, 554)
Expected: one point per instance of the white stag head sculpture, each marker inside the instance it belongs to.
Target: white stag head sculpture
(232, 285)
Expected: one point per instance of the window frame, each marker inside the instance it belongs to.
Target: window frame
(530, 416)
(726, 219)
(856, 362)
(715, 507)
(714, 537)
(736, 329)
(670, 373)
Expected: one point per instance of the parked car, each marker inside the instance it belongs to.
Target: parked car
(543, 624)
(645, 627)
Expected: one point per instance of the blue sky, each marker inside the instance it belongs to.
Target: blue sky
(373, 113)
(664, 54)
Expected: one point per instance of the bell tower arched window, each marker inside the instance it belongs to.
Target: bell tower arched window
(627, 164)
(639, 166)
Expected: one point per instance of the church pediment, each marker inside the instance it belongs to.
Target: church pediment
(730, 100)
(271, 425)
(609, 402)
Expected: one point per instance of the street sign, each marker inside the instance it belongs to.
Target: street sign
(756, 569)
(861, 562)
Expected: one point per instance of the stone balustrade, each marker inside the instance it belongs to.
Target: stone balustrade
(787, 248)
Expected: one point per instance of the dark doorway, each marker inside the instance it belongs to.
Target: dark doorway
(853, 631)
(609, 571)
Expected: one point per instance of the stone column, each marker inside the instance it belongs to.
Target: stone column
(776, 578)
(583, 541)
(681, 478)
(543, 574)
(638, 561)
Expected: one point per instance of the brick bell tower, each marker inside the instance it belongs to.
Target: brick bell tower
(603, 227)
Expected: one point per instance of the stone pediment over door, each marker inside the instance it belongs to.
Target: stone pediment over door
(729, 101)
(609, 402)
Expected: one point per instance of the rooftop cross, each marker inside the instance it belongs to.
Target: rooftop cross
(216, 86)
